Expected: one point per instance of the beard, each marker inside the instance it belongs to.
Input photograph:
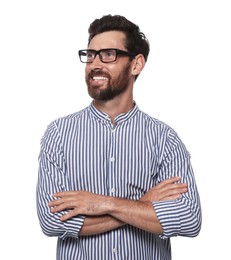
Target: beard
(114, 87)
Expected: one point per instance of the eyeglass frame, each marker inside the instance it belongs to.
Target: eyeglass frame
(117, 51)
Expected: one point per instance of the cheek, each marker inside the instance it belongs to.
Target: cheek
(87, 69)
(117, 73)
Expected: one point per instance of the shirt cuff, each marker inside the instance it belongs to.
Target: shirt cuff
(168, 215)
(73, 227)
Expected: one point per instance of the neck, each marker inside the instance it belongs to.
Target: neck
(115, 106)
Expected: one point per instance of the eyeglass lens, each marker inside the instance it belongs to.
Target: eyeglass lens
(104, 55)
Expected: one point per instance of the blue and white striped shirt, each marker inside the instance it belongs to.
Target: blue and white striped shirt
(84, 151)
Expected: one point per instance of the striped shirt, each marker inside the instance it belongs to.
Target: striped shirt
(84, 151)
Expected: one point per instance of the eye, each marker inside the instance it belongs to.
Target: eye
(90, 54)
(109, 53)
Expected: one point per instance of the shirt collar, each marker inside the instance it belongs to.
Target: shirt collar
(105, 117)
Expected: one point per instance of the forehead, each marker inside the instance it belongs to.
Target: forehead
(111, 39)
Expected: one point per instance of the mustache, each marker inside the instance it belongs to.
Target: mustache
(97, 73)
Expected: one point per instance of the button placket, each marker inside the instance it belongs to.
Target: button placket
(112, 160)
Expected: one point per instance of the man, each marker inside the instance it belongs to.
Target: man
(115, 183)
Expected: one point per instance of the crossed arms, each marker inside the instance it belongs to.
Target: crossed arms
(105, 213)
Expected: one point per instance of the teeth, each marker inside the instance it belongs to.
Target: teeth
(99, 78)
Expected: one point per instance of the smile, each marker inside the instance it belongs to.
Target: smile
(99, 78)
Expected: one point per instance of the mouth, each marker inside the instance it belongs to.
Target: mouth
(99, 78)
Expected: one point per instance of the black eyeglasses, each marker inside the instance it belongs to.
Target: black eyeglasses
(105, 55)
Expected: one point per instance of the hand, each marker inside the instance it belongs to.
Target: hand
(169, 189)
(78, 202)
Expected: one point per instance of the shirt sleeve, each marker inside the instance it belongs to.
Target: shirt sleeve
(52, 178)
(181, 217)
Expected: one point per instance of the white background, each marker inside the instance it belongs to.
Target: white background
(185, 83)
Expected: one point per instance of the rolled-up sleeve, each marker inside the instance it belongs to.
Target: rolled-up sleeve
(52, 178)
(181, 217)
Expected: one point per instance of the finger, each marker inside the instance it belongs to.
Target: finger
(168, 181)
(169, 190)
(177, 186)
(175, 197)
(172, 193)
(70, 214)
(57, 209)
(61, 204)
(175, 190)
(65, 197)
(55, 202)
(60, 208)
(64, 193)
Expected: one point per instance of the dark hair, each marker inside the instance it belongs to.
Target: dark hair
(136, 42)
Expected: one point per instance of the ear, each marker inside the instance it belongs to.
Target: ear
(138, 64)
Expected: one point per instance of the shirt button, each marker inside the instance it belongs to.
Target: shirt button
(112, 159)
(114, 250)
(113, 190)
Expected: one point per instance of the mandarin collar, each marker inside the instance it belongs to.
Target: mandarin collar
(121, 117)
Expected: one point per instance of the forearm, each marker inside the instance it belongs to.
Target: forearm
(99, 224)
(135, 213)
(139, 214)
